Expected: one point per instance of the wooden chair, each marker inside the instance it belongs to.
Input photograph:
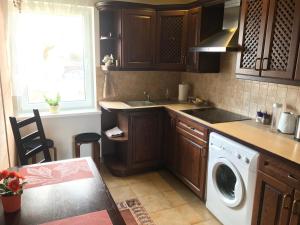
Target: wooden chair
(30, 145)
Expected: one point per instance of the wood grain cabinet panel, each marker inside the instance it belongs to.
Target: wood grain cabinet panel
(169, 141)
(273, 201)
(295, 215)
(280, 51)
(297, 73)
(146, 138)
(189, 160)
(171, 39)
(251, 36)
(138, 30)
(269, 34)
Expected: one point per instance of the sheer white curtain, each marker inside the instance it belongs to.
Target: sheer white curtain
(52, 51)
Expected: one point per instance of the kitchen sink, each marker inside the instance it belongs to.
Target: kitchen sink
(140, 103)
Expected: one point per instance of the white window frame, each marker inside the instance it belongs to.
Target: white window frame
(23, 104)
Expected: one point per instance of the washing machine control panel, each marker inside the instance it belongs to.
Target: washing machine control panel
(233, 149)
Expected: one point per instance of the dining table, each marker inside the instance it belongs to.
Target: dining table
(64, 192)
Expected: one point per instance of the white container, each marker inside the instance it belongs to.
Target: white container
(183, 92)
(287, 123)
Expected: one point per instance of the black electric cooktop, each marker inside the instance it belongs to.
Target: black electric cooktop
(214, 115)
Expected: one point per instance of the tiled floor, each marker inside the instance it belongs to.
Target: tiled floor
(166, 199)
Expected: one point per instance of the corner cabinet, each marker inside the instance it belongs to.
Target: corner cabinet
(269, 34)
(138, 37)
(277, 195)
(171, 39)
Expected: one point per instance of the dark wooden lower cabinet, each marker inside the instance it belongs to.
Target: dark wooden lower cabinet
(190, 159)
(295, 215)
(169, 141)
(145, 138)
(273, 201)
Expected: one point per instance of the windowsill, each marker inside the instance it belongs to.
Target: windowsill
(63, 113)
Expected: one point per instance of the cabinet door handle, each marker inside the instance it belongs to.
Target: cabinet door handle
(265, 64)
(286, 201)
(296, 208)
(291, 177)
(257, 64)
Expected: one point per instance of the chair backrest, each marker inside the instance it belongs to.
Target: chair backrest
(24, 153)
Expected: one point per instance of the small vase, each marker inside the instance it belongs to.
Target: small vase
(53, 108)
(11, 203)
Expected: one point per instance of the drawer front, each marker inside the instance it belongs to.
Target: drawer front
(193, 128)
(280, 170)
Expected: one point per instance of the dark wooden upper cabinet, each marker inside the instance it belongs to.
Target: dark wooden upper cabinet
(297, 73)
(138, 43)
(269, 34)
(273, 201)
(193, 39)
(171, 39)
(280, 51)
(251, 36)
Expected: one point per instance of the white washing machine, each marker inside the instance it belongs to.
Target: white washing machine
(231, 179)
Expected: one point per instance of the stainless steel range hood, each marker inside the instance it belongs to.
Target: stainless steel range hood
(227, 39)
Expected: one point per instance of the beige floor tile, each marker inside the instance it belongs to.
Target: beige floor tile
(120, 194)
(161, 184)
(140, 178)
(194, 214)
(144, 188)
(113, 182)
(168, 217)
(174, 198)
(154, 202)
(209, 222)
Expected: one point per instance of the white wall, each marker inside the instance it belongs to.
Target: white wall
(62, 131)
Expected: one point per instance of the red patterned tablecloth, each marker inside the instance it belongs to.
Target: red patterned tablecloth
(54, 173)
(95, 218)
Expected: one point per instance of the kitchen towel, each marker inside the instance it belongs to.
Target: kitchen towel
(183, 92)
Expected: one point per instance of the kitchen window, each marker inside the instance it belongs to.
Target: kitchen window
(52, 52)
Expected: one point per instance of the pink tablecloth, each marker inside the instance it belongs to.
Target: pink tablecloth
(54, 173)
(95, 218)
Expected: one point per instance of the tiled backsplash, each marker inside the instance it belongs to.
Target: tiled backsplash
(222, 89)
(130, 85)
(241, 96)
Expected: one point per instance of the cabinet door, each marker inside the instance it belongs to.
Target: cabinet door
(191, 161)
(280, 52)
(194, 28)
(251, 36)
(171, 39)
(138, 28)
(145, 138)
(295, 215)
(273, 200)
(297, 73)
(169, 141)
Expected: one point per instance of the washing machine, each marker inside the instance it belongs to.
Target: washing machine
(231, 179)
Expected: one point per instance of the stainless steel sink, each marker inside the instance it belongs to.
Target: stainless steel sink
(140, 103)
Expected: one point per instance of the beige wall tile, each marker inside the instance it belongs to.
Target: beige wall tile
(245, 97)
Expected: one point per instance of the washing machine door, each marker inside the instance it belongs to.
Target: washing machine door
(228, 182)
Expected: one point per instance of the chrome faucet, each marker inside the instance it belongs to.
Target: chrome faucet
(147, 96)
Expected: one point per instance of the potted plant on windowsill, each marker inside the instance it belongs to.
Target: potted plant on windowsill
(11, 189)
(53, 103)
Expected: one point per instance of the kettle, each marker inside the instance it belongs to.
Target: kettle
(287, 123)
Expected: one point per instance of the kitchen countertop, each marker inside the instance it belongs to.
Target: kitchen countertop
(247, 131)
